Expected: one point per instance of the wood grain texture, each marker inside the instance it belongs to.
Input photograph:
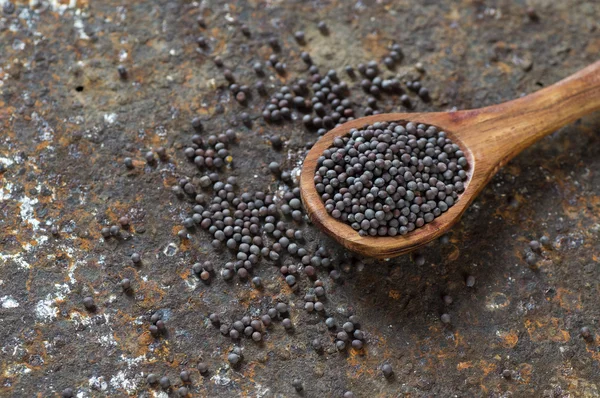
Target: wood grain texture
(489, 137)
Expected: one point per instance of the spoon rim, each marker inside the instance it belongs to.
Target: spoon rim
(383, 246)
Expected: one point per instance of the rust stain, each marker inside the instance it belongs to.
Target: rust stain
(547, 329)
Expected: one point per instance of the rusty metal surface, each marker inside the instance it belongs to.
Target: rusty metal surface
(67, 121)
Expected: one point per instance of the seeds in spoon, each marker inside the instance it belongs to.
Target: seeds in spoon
(388, 179)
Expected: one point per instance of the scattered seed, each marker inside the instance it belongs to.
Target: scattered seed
(387, 370)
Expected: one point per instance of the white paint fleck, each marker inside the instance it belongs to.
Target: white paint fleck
(170, 250)
(79, 27)
(17, 258)
(261, 391)
(120, 381)
(17, 369)
(26, 211)
(45, 310)
(18, 45)
(123, 55)
(110, 118)
(107, 340)
(191, 283)
(9, 302)
(131, 362)
(8, 187)
(6, 161)
(221, 380)
(97, 383)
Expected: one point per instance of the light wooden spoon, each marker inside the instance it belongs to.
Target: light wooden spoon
(489, 137)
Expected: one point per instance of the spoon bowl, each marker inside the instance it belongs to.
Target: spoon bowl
(489, 138)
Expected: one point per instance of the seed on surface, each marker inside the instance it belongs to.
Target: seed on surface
(9, 8)
(387, 370)
(445, 318)
(185, 376)
(586, 333)
(348, 394)
(274, 43)
(245, 30)
(136, 258)
(287, 323)
(233, 358)
(214, 318)
(330, 322)
(535, 245)
(114, 230)
(202, 368)
(317, 345)
(290, 280)
(257, 336)
(165, 382)
(297, 384)
(67, 392)
(447, 300)
(128, 163)
(357, 344)
(532, 14)
(299, 36)
(152, 379)
(182, 391)
(470, 281)
(348, 327)
(506, 374)
(89, 304)
(125, 284)
(282, 308)
(322, 26)
(531, 258)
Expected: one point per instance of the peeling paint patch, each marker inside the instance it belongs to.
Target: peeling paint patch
(46, 310)
(120, 381)
(17, 258)
(97, 383)
(110, 118)
(170, 250)
(107, 340)
(26, 211)
(8, 302)
(131, 362)
(220, 380)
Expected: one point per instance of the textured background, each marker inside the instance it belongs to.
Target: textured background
(67, 121)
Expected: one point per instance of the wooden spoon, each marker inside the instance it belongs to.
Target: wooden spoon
(489, 137)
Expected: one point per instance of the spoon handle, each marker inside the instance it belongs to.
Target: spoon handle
(499, 132)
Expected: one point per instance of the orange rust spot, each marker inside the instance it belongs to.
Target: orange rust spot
(567, 299)
(547, 328)
(249, 297)
(508, 339)
(185, 274)
(525, 370)
(395, 294)
(487, 367)
(464, 365)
